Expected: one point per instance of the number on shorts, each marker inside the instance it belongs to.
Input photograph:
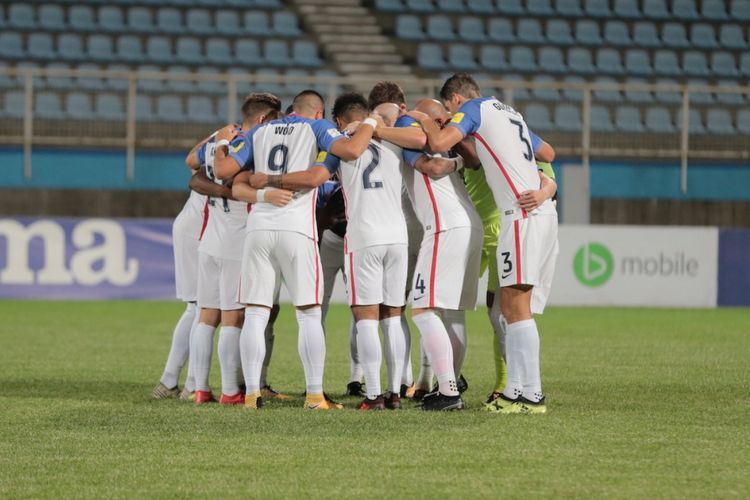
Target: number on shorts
(368, 184)
(419, 284)
(507, 263)
(276, 151)
(528, 154)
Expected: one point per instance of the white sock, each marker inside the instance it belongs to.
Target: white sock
(455, 325)
(370, 355)
(498, 324)
(394, 343)
(253, 346)
(424, 379)
(311, 345)
(270, 337)
(229, 359)
(355, 369)
(190, 380)
(200, 357)
(514, 346)
(178, 353)
(528, 347)
(408, 376)
(437, 345)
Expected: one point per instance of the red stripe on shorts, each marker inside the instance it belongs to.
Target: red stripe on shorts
(436, 214)
(517, 232)
(205, 220)
(351, 279)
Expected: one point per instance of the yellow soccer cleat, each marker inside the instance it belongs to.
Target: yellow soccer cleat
(503, 404)
(321, 402)
(268, 393)
(253, 401)
(533, 407)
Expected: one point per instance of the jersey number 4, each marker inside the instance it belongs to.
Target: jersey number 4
(366, 182)
(528, 154)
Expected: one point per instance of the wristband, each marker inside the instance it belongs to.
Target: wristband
(222, 142)
(371, 122)
(459, 163)
(260, 196)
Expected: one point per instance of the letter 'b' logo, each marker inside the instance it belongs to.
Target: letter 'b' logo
(593, 264)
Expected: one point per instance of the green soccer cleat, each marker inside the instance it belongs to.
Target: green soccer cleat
(533, 407)
(503, 404)
(161, 391)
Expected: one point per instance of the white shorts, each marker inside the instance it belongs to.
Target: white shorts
(186, 231)
(272, 256)
(447, 272)
(526, 255)
(415, 242)
(331, 260)
(218, 283)
(376, 275)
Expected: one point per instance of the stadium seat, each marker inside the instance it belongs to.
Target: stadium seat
(702, 36)
(39, 46)
(198, 22)
(568, 118)
(409, 28)
(257, 23)
(295, 87)
(47, 105)
(78, 106)
(637, 62)
(616, 33)
(81, 18)
(99, 48)
(551, 60)
(685, 10)
(732, 98)
(424, 6)
(5, 79)
(740, 10)
(201, 109)
(69, 47)
(646, 35)
(14, 106)
(522, 59)
(482, 6)
(169, 20)
(529, 31)
(699, 96)
(512, 7)
(159, 49)
(59, 82)
(674, 35)
(461, 56)
(659, 120)
(305, 53)
(665, 63)
(608, 61)
(695, 122)
(537, 117)
(573, 94)
(519, 93)
(501, 30)
(109, 107)
(149, 84)
(110, 19)
(667, 95)
(453, 6)
(606, 94)
(628, 119)
(276, 53)
(227, 23)
(430, 56)
(129, 48)
(568, 8)
(116, 81)
(627, 9)
(11, 46)
(636, 94)
(539, 7)
(587, 32)
(492, 57)
(558, 32)
(390, 5)
(140, 20)
(271, 81)
(694, 64)
(247, 52)
(743, 121)
(188, 50)
(545, 93)
(286, 24)
(714, 10)
(210, 86)
(169, 109)
(471, 29)
(179, 85)
(218, 51)
(440, 28)
(52, 17)
(597, 8)
(719, 121)
(601, 121)
(732, 37)
(89, 82)
(21, 16)
(144, 108)
(723, 64)
(265, 4)
(745, 64)
(656, 9)
(579, 61)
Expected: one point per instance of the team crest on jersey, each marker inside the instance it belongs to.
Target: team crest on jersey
(457, 118)
(333, 133)
(321, 157)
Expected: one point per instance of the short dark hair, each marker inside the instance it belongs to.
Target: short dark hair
(308, 98)
(348, 103)
(384, 92)
(461, 84)
(259, 103)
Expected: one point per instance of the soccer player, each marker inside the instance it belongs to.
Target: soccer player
(282, 241)
(527, 247)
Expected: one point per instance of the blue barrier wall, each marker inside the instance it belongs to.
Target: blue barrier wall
(734, 272)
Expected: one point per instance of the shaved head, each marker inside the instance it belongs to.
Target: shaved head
(309, 103)
(434, 109)
(389, 111)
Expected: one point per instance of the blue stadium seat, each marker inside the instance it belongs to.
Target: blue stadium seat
(188, 50)
(276, 53)
(69, 47)
(5, 80)
(597, 8)
(159, 49)
(89, 82)
(471, 29)
(656, 9)
(257, 23)
(699, 97)
(60, 82)
(665, 63)
(14, 105)
(47, 105)
(11, 46)
(430, 56)
(140, 20)
(636, 94)
(325, 87)
(723, 64)
(210, 86)
(149, 84)
(732, 37)
(390, 5)
(461, 56)
(628, 119)
(745, 64)
(440, 28)
(512, 7)
(519, 93)
(169, 20)
(659, 120)
(627, 9)
(492, 57)
(694, 64)
(637, 62)
(501, 30)
(305, 53)
(529, 31)
(558, 32)
(481, 6)
(646, 35)
(551, 60)
(668, 96)
(295, 87)
(52, 17)
(109, 107)
(81, 18)
(568, 118)
(695, 121)
(719, 121)
(21, 16)
(270, 85)
(608, 61)
(99, 48)
(247, 51)
(522, 59)
(537, 116)
(424, 6)
(743, 121)
(21, 78)
(409, 28)
(169, 109)
(674, 35)
(573, 94)
(702, 36)
(178, 85)
(601, 121)
(542, 93)
(198, 22)
(78, 106)
(201, 109)
(714, 10)
(129, 48)
(267, 4)
(684, 9)
(616, 33)
(110, 19)
(587, 32)
(39, 46)
(568, 8)
(228, 23)
(740, 10)
(732, 98)
(144, 108)
(539, 7)
(286, 24)
(218, 51)
(454, 6)
(579, 61)
(606, 94)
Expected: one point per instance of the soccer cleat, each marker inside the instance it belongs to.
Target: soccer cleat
(368, 404)
(462, 384)
(203, 397)
(533, 407)
(268, 393)
(354, 388)
(161, 391)
(253, 401)
(404, 390)
(419, 394)
(321, 402)
(392, 401)
(186, 395)
(233, 399)
(503, 404)
(441, 402)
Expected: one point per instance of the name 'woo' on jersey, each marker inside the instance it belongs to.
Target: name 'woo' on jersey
(372, 186)
(505, 149)
(282, 146)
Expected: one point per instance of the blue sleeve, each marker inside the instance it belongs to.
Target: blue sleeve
(326, 134)
(202, 154)
(468, 118)
(406, 121)
(411, 156)
(329, 161)
(241, 149)
(536, 141)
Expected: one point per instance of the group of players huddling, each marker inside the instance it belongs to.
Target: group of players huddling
(410, 205)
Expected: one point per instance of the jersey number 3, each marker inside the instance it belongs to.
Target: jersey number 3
(366, 182)
(528, 154)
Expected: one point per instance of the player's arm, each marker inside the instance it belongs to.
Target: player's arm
(241, 190)
(439, 140)
(325, 165)
(351, 148)
(193, 159)
(437, 167)
(405, 137)
(233, 154)
(201, 184)
(468, 151)
(542, 150)
(530, 200)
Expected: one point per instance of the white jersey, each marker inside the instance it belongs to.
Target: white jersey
(283, 146)
(505, 149)
(194, 215)
(372, 186)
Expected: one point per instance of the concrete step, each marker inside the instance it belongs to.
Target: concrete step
(354, 57)
(346, 29)
(342, 11)
(335, 46)
(381, 69)
(329, 3)
(341, 19)
(344, 40)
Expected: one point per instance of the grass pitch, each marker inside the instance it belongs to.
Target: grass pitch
(642, 403)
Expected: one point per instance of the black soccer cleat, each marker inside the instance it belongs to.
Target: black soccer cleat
(462, 383)
(441, 402)
(392, 401)
(403, 391)
(372, 404)
(354, 389)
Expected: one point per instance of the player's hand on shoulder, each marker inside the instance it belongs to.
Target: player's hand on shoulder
(349, 129)
(228, 132)
(258, 180)
(530, 200)
(379, 119)
(279, 197)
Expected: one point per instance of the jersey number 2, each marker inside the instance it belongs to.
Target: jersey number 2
(366, 182)
(528, 154)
